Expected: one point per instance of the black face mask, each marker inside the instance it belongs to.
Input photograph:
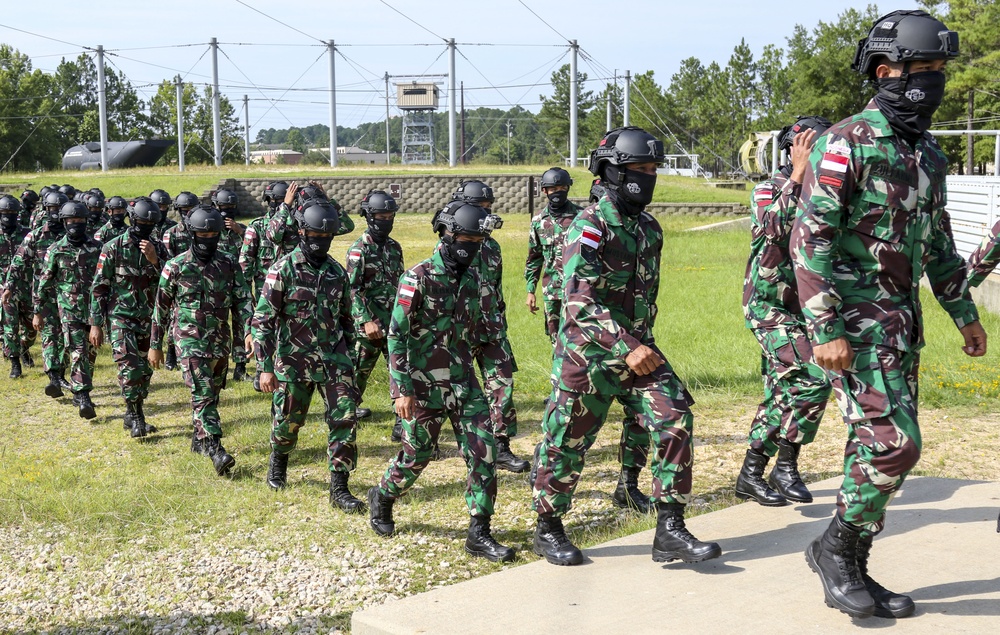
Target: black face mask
(204, 248)
(8, 223)
(380, 228)
(227, 213)
(463, 252)
(910, 104)
(140, 232)
(118, 221)
(76, 233)
(558, 200)
(637, 187)
(55, 225)
(316, 248)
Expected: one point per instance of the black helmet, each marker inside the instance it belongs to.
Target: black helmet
(73, 209)
(116, 202)
(68, 190)
(42, 192)
(556, 176)
(473, 192)
(224, 197)
(9, 204)
(787, 136)
(80, 196)
(275, 191)
(204, 218)
(29, 199)
(143, 208)
(460, 217)
(94, 199)
(97, 190)
(597, 190)
(160, 197)
(622, 146)
(904, 36)
(308, 192)
(55, 199)
(376, 201)
(186, 200)
(319, 216)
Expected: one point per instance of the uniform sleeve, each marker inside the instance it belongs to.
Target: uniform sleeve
(947, 273)
(985, 258)
(408, 299)
(346, 318)
(830, 182)
(248, 253)
(46, 283)
(242, 303)
(264, 326)
(346, 223)
(165, 295)
(280, 223)
(100, 291)
(498, 278)
(360, 308)
(581, 307)
(20, 263)
(536, 260)
(774, 208)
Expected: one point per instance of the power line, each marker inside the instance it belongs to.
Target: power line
(280, 22)
(411, 20)
(543, 20)
(46, 37)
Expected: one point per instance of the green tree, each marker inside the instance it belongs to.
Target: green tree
(163, 118)
(554, 114)
(296, 140)
(29, 134)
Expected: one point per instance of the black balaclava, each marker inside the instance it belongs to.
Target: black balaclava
(558, 201)
(117, 220)
(909, 102)
(8, 223)
(204, 248)
(140, 232)
(635, 191)
(316, 248)
(458, 254)
(380, 228)
(76, 233)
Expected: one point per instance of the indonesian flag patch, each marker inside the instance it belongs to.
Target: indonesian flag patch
(835, 159)
(272, 277)
(100, 262)
(591, 237)
(406, 290)
(763, 196)
(354, 254)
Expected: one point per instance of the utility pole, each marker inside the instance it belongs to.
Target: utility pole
(387, 117)
(574, 48)
(180, 123)
(246, 129)
(451, 104)
(333, 105)
(508, 142)
(462, 92)
(607, 125)
(627, 102)
(102, 104)
(970, 147)
(216, 115)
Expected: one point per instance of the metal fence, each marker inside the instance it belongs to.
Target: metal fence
(974, 206)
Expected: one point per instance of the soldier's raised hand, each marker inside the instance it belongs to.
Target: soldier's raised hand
(643, 360)
(149, 251)
(290, 194)
(802, 146)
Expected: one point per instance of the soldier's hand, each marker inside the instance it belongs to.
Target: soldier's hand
(248, 342)
(290, 193)
(5, 297)
(96, 336)
(373, 331)
(802, 146)
(530, 302)
(405, 406)
(643, 360)
(149, 251)
(36, 322)
(836, 355)
(268, 382)
(232, 225)
(155, 358)
(975, 339)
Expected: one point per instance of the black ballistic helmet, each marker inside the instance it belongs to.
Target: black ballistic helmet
(473, 192)
(97, 190)
(460, 217)
(93, 199)
(204, 218)
(596, 190)
(623, 146)
(116, 202)
(45, 190)
(74, 209)
(186, 200)
(905, 36)
(556, 176)
(160, 197)
(68, 190)
(9, 204)
(275, 191)
(309, 192)
(319, 216)
(224, 197)
(145, 209)
(80, 196)
(55, 199)
(29, 198)
(376, 201)
(788, 133)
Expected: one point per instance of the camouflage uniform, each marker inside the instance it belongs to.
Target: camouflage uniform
(28, 264)
(303, 333)
(283, 232)
(95, 225)
(257, 254)
(230, 243)
(18, 333)
(66, 281)
(546, 249)
(985, 258)
(611, 282)
(123, 295)
(795, 388)
(163, 227)
(197, 299)
(373, 272)
(176, 240)
(434, 316)
(874, 223)
(109, 232)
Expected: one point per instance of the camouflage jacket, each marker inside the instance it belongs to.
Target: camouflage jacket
(432, 324)
(200, 298)
(38, 218)
(302, 328)
(177, 240)
(873, 223)
(28, 262)
(373, 272)
(769, 293)
(8, 247)
(489, 260)
(162, 228)
(94, 225)
(985, 258)
(125, 284)
(257, 254)
(546, 246)
(231, 242)
(109, 232)
(67, 278)
(282, 230)
(611, 283)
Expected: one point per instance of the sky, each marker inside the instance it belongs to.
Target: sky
(500, 43)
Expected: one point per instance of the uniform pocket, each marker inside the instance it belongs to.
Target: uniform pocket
(862, 390)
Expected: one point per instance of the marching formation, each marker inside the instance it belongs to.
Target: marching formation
(841, 236)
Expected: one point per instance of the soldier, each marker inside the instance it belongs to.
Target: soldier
(18, 333)
(437, 306)
(258, 254)
(795, 388)
(51, 202)
(198, 292)
(303, 335)
(606, 349)
(67, 276)
(123, 295)
(115, 227)
(29, 199)
(162, 199)
(281, 229)
(177, 240)
(374, 267)
(225, 202)
(97, 216)
(873, 223)
(22, 278)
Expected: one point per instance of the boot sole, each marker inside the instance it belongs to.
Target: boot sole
(508, 468)
(794, 499)
(88, 413)
(350, 509)
(670, 556)
(890, 614)
(828, 597)
(750, 497)
(482, 554)
(562, 562)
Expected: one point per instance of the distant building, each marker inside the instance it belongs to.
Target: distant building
(276, 156)
(354, 154)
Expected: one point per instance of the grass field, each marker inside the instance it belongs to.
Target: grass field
(105, 531)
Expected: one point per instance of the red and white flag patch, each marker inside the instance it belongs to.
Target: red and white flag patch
(591, 237)
(406, 290)
(354, 253)
(100, 261)
(272, 277)
(763, 196)
(836, 159)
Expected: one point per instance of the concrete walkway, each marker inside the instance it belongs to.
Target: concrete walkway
(940, 546)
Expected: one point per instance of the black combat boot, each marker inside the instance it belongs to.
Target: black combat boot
(277, 470)
(380, 512)
(750, 484)
(15, 367)
(221, 460)
(482, 544)
(887, 603)
(65, 385)
(27, 360)
(240, 371)
(340, 495)
(53, 389)
(551, 541)
(834, 556)
(137, 426)
(150, 428)
(627, 495)
(507, 460)
(82, 400)
(170, 363)
(127, 419)
(397, 430)
(198, 445)
(785, 477)
(674, 542)
(363, 413)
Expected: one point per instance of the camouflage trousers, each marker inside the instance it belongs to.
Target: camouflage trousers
(633, 446)
(290, 407)
(796, 391)
(129, 349)
(878, 398)
(205, 378)
(573, 420)
(239, 350)
(18, 333)
(471, 423)
(366, 354)
(81, 362)
(497, 367)
(53, 344)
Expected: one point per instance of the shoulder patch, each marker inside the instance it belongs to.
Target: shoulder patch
(591, 237)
